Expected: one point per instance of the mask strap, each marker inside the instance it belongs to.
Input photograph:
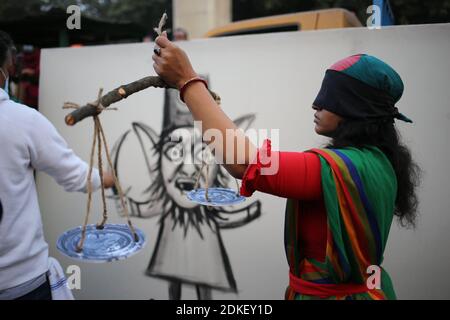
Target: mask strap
(3, 73)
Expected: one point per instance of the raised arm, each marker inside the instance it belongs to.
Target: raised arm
(298, 173)
(173, 65)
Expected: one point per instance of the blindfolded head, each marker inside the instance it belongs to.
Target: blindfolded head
(361, 87)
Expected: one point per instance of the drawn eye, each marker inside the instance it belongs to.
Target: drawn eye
(174, 152)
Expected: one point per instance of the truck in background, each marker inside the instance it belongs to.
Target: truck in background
(300, 21)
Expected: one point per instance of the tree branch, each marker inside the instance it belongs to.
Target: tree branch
(116, 95)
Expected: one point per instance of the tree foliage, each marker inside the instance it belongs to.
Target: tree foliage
(148, 12)
(144, 12)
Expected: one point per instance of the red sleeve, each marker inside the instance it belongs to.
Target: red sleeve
(298, 175)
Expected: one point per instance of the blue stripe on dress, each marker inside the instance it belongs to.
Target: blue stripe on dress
(365, 201)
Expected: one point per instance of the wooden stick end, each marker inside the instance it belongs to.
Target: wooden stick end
(70, 120)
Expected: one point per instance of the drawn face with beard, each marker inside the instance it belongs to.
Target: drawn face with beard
(181, 162)
(156, 171)
(157, 179)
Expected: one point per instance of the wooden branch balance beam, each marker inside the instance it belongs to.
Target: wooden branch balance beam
(122, 92)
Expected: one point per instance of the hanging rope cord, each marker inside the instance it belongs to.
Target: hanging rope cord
(206, 177)
(100, 142)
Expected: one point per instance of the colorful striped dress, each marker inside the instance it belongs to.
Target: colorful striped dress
(356, 188)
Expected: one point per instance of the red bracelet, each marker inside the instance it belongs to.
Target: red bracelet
(189, 82)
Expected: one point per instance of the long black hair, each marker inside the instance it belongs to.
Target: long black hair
(384, 135)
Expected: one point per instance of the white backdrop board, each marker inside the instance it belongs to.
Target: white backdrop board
(274, 77)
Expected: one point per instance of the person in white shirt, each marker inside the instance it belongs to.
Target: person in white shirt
(28, 142)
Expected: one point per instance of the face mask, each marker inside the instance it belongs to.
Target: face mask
(6, 88)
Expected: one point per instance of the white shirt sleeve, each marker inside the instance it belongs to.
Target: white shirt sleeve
(49, 153)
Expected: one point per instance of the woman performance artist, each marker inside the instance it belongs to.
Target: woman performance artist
(341, 199)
